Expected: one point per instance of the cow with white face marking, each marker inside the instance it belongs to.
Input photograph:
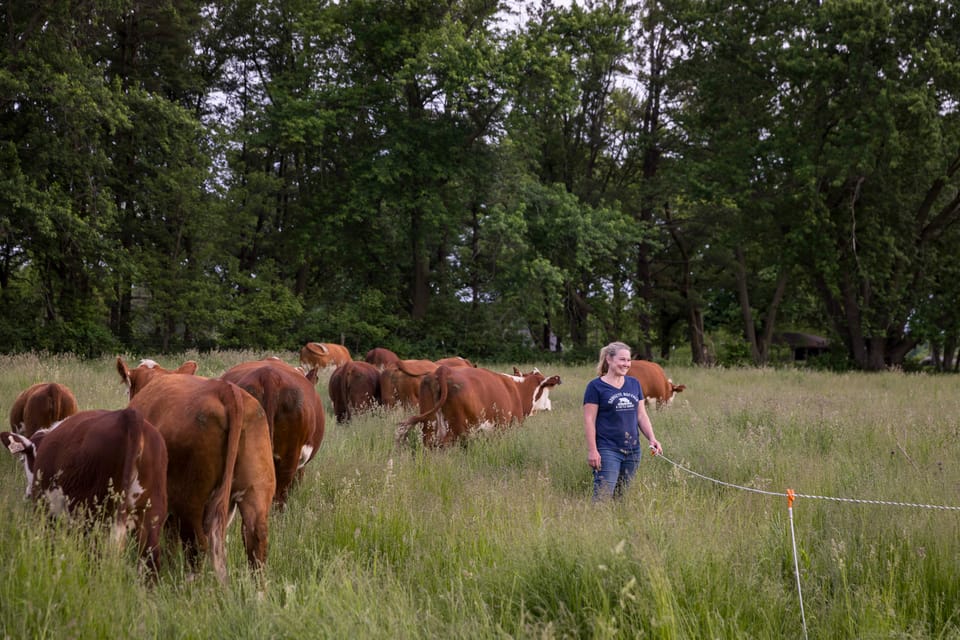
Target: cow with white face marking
(541, 396)
(656, 386)
(457, 401)
(114, 462)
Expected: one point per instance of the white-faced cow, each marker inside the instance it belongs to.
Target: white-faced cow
(455, 401)
(41, 405)
(294, 413)
(657, 387)
(354, 387)
(218, 443)
(323, 355)
(112, 463)
(541, 397)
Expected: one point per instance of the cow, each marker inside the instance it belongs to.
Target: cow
(657, 387)
(294, 411)
(323, 355)
(112, 463)
(541, 398)
(40, 406)
(353, 387)
(455, 401)
(380, 357)
(400, 380)
(218, 445)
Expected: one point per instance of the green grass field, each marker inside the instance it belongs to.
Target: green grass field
(499, 539)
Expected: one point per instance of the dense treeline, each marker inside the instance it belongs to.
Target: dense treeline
(481, 177)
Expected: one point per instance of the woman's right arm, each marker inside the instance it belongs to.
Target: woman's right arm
(590, 431)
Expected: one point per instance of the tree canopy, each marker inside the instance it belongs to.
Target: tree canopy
(483, 177)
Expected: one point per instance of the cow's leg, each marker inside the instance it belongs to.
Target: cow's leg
(286, 472)
(254, 508)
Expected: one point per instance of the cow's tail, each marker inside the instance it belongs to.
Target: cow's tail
(132, 421)
(61, 402)
(217, 509)
(340, 395)
(271, 398)
(440, 398)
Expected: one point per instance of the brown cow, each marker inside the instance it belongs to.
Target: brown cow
(400, 381)
(294, 413)
(115, 461)
(41, 405)
(657, 387)
(353, 387)
(380, 357)
(218, 443)
(454, 401)
(321, 355)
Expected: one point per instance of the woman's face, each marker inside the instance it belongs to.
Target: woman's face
(620, 362)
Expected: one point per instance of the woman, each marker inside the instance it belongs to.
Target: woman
(614, 415)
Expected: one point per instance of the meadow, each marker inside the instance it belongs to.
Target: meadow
(499, 538)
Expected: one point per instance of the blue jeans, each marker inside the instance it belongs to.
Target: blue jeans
(617, 468)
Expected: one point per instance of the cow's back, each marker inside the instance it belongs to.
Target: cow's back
(196, 417)
(465, 399)
(108, 462)
(653, 380)
(40, 406)
(354, 386)
(293, 410)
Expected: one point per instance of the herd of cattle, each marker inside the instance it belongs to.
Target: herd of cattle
(189, 452)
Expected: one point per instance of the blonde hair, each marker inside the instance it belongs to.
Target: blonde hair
(609, 351)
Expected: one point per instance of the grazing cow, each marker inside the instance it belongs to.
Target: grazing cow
(321, 355)
(457, 400)
(39, 406)
(218, 444)
(294, 411)
(541, 398)
(354, 386)
(114, 461)
(400, 382)
(657, 387)
(380, 357)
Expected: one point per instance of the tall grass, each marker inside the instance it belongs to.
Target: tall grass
(499, 539)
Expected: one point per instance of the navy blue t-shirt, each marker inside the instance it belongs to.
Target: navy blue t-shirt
(616, 412)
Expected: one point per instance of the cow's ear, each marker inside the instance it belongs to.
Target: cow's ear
(312, 376)
(15, 443)
(123, 370)
(189, 367)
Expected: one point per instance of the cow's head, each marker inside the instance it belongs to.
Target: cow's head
(137, 378)
(25, 449)
(541, 398)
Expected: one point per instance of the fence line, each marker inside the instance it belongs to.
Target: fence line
(790, 495)
(806, 495)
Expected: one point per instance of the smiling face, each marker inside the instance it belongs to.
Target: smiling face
(619, 363)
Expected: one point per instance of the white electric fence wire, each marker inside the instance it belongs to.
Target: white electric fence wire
(790, 496)
(804, 495)
(796, 571)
